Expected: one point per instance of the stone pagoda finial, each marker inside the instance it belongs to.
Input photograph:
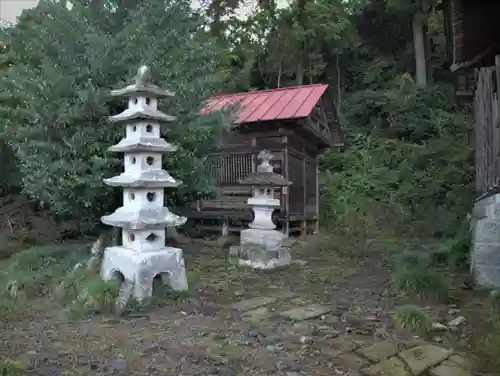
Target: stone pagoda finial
(143, 217)
(143, 77)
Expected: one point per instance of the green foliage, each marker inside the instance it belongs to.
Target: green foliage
(408, 158)
(85, 293)
(455, 252)
(58, 96)
(37, 270)
(10, 178)
(415, 277)
(414, 319)
(10, 368)
(9, 309)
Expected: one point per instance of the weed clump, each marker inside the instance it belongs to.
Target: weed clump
(85, 293)
(10, 368)
(412, 318)
(9, 309)
(416, 278)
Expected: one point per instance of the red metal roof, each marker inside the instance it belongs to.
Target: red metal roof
(283, 103)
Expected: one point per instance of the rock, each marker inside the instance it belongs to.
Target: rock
(461, 361)
(219, 336)
(338, 346)
(421, 358)
(388, 367)
(448, 368)
(453, 311)
(283, 365)
(351, 361)
(256, 314)
(299, 262)
(149, 347)
(227, 370)
(270, 340)
(305, 313)
(116, 364)
(438, 327)
(305, 340)
(379, 351)
(252, 334)
(457, 322)
(274, 348)
(252, 303)
(283, 294)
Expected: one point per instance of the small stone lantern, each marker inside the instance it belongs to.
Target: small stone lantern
(143, 218)
(262, 246)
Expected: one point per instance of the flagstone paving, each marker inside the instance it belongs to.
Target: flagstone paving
(352, 353)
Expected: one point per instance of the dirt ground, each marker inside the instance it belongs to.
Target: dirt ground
(346, 302)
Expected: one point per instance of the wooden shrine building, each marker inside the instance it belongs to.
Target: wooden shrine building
(295, 124)
(471, 29)
(473, 42)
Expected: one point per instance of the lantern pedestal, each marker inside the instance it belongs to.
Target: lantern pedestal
(142, 268)
(263, 249)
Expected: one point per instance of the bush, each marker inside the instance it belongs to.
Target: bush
(414, 319)
(415, 277)
(408, 159)
(10, 178)
(10, 368)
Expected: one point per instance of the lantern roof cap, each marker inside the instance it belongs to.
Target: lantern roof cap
(265, 176)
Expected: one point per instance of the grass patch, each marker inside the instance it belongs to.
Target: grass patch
(10, 309)
(412, 318)
(486, 341)
(416, 278)
(49, 272)
(10, 368)
(454, 253)
(37, 270)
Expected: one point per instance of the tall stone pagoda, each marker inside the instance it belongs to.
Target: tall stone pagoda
(143, 218)
(261, 245)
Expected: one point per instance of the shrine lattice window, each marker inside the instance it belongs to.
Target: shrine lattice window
(228, 169)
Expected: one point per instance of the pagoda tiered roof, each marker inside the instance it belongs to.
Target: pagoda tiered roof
(146, 179)
(143, 144)
(134, 90)
(143, 219)
(141, 113)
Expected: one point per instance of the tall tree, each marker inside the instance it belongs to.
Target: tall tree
(420, 10)
(59, 95)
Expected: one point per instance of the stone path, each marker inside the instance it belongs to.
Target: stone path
(351, 354)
